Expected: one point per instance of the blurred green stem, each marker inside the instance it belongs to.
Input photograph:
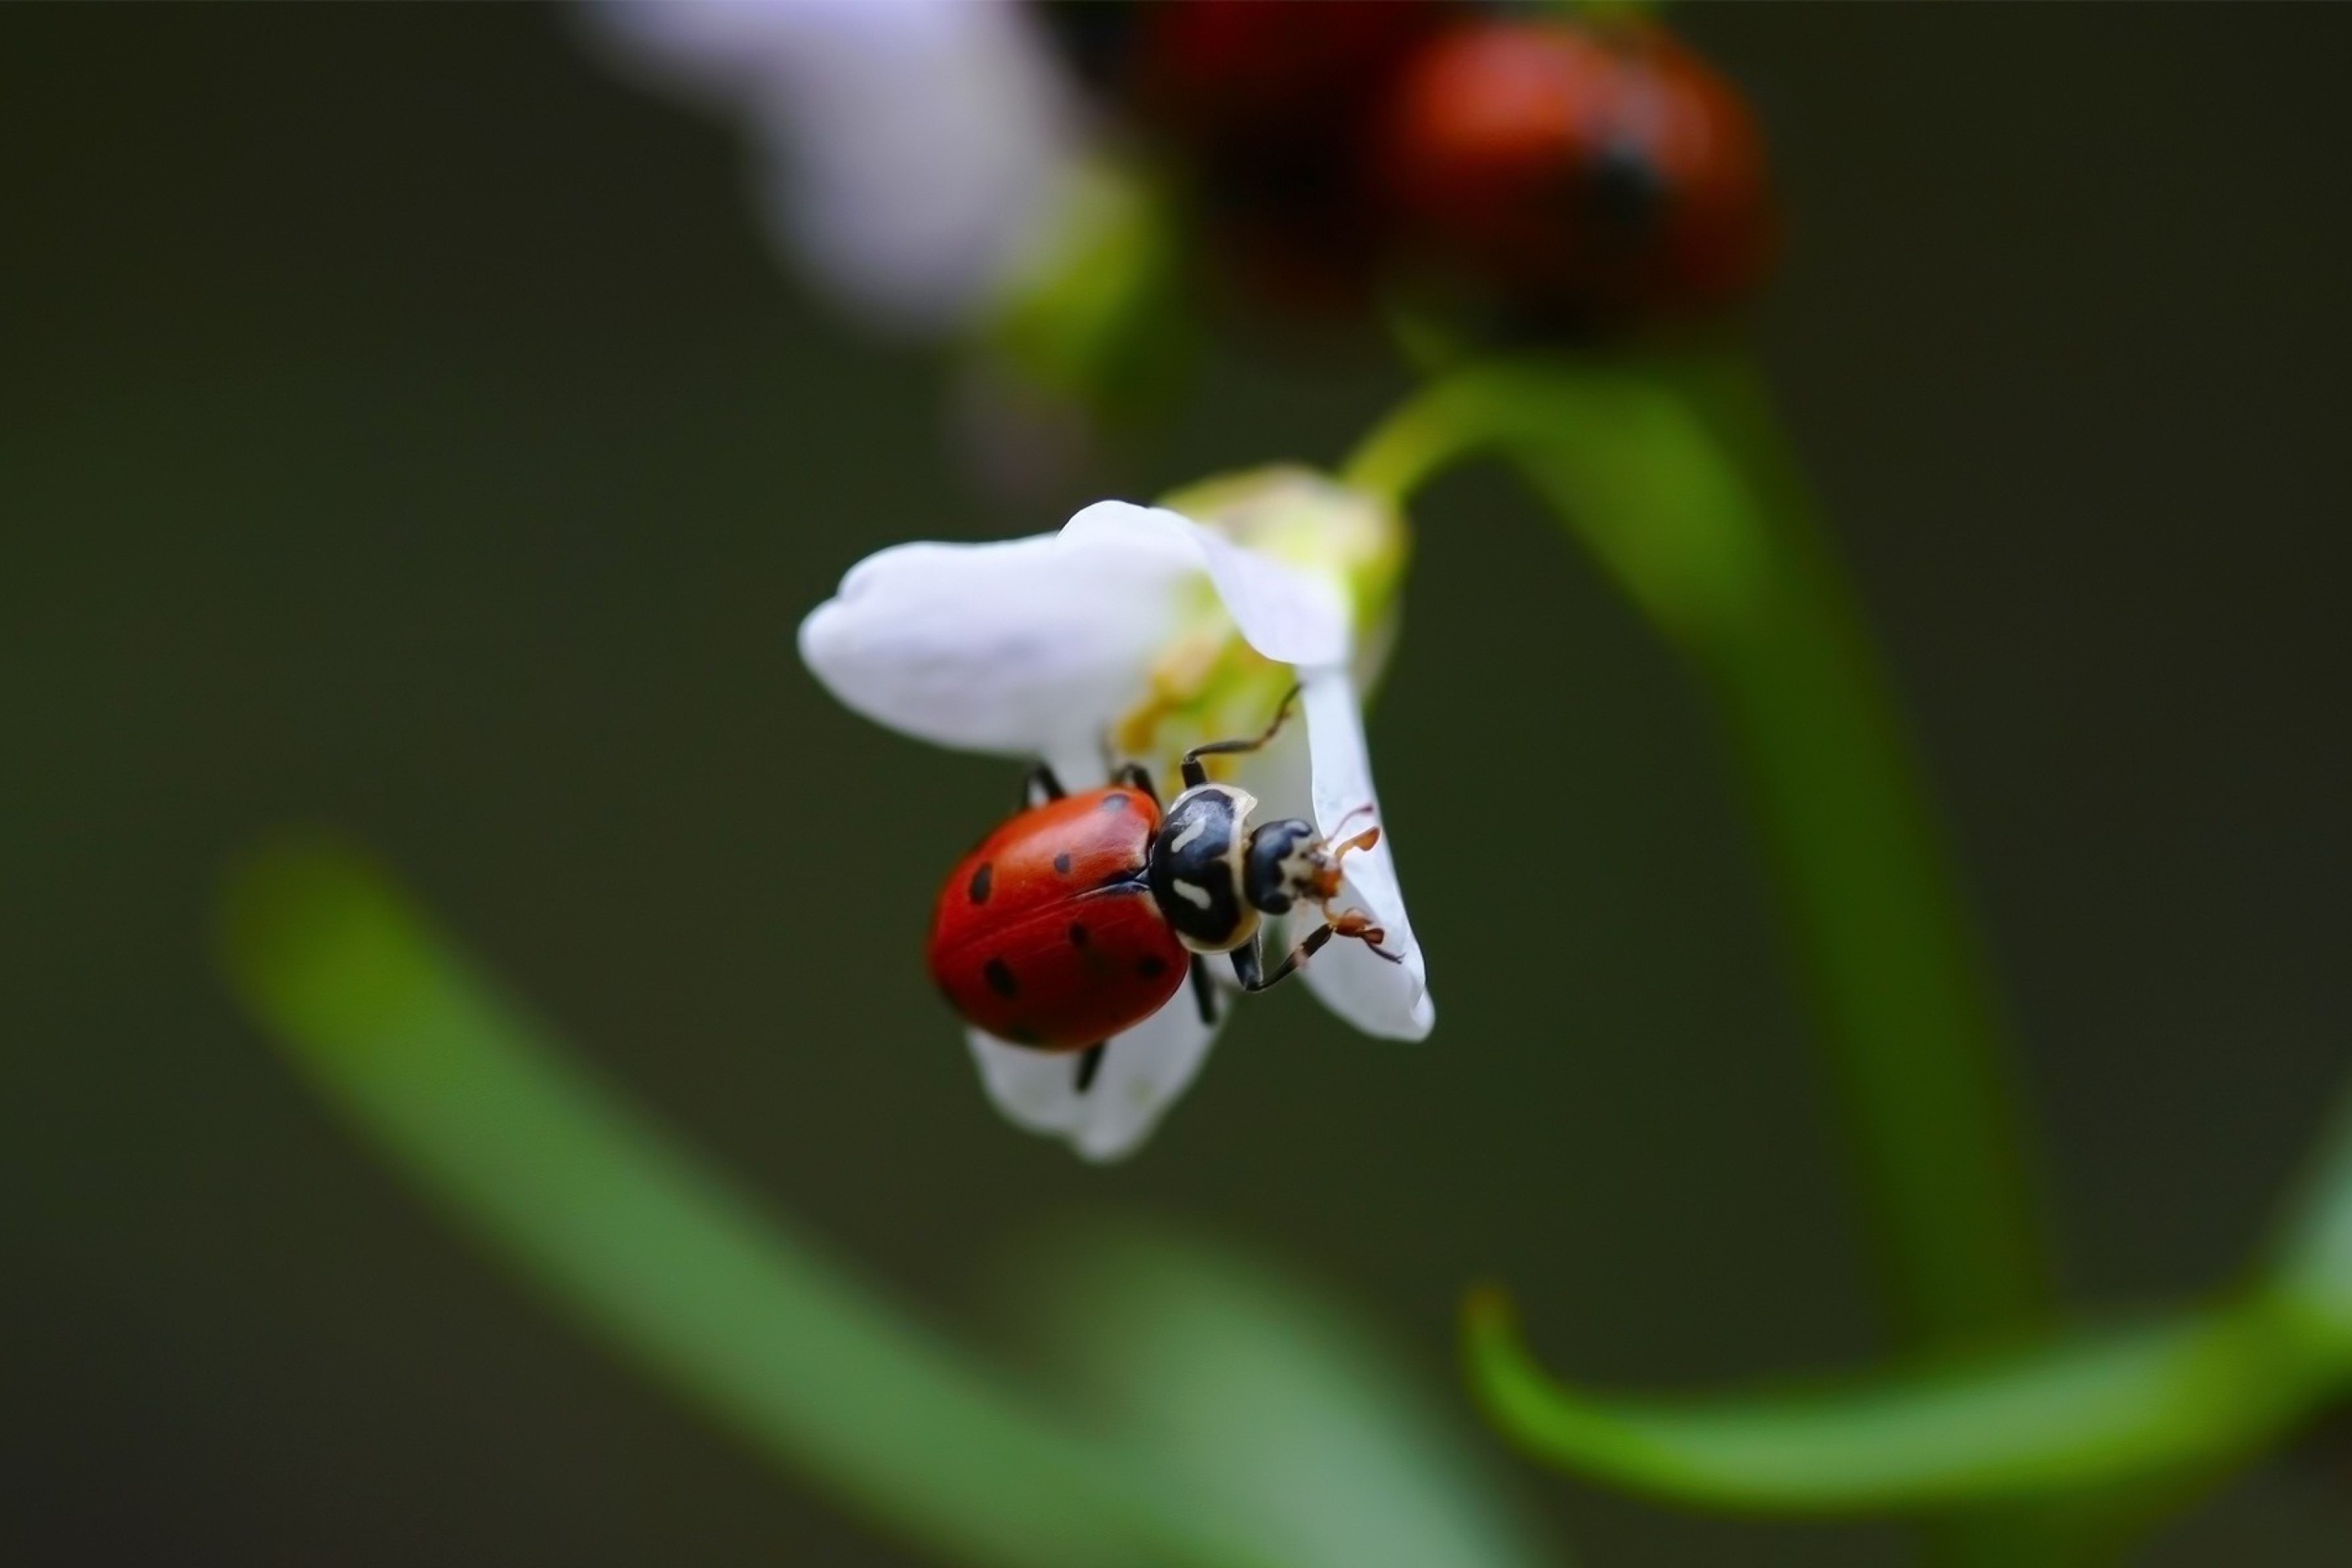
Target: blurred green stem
(1674, 475)
(2130, 1412)
(656, 1256)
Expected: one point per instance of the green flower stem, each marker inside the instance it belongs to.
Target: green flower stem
(658, 1258)
(1671, 474)
(2167, 1401)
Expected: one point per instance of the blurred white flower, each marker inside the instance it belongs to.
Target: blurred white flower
(914, 152)
(1143, 630)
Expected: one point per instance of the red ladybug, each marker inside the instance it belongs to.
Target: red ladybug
(1587, 170)
(1082, 916)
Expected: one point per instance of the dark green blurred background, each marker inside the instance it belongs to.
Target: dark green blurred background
(402, 425)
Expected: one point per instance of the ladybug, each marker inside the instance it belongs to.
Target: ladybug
(1085, 914)
(1594, 172)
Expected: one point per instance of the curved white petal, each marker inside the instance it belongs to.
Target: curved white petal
(1142, 1072)
(1280, 775)
(918, 147)
(1029, 647)
(1036, 647)
(1390, 1000)
(1289, 616)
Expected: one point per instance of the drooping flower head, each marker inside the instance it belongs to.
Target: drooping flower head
(1134, 634)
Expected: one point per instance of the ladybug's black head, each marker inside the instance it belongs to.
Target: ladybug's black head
(1285, 862)
(1212, 876)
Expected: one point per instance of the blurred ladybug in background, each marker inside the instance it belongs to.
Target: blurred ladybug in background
(1505, 178)
(1585, 174)
(1085, 914)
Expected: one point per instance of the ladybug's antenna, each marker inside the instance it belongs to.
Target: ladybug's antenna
(1195, 775)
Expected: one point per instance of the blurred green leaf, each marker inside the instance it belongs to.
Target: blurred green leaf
(2164, 1399)
(651, 1253)
(1276, 1402)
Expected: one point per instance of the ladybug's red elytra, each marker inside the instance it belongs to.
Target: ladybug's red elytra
(1084, 914)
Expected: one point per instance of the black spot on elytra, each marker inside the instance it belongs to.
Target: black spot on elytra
(1152, 966)
(1062, 863)
(1019, 1035)
(981, 880)
(1079, 935)
(1115, 801)
(998, 975)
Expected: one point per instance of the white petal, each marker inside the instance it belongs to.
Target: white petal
(711, 48)
(1029, 647)
(1281, 775)
(1289, 616)
(919, 147)
(1390, 1000)
(1142, 1072)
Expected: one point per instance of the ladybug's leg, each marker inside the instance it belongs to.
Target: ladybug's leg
(1040, 786)
(1358, 925)
(1204, 989)
(1135, 775)
(1195, 775)
(1245, 960)
(1090, 1064)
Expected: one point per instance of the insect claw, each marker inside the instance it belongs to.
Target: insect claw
(1357, 924)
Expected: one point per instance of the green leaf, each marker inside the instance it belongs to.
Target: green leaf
(2161, 1399)
(652, 1254)
(1276, 1402)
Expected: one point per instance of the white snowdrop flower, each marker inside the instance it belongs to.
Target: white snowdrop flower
(1134, 634)
(914, 152)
